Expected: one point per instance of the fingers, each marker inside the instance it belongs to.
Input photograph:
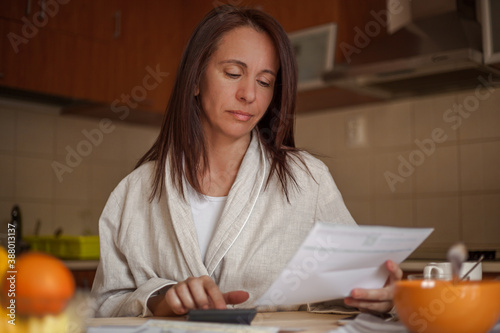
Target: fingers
(215, 295)
(200, 293)
(194, 293)
(378, 300)
(369, 306)
(379, 295)
(173, 300)
(395, 272)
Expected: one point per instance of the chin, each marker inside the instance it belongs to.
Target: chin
(237, 131)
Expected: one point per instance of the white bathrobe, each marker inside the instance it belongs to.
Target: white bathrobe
(146, 246)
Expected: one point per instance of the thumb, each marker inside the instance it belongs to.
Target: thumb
(235, 297)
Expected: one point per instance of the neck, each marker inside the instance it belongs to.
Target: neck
(224, 159)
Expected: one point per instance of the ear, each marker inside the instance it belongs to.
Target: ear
(196, 90)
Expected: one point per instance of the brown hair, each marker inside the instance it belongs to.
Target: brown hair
(181, 137)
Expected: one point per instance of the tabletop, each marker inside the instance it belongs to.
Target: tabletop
(306, 322)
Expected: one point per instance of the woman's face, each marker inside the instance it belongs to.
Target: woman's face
(238, 83)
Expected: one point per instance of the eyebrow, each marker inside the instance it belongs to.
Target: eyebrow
(242, 64)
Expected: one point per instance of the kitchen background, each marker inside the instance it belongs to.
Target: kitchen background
(456, 189)
(60, 165)
(33, 137)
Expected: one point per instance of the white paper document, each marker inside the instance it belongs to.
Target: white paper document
(174, 326)
(335, 259)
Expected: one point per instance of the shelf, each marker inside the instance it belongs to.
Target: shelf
(330, 98)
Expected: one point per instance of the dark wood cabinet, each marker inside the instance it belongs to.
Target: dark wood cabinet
(55, 63)
(15, 9)
(94, 52)
(90, 18)
(299, 14)
(84, 278)
(150, 51)
(104, 55)
(350, 17)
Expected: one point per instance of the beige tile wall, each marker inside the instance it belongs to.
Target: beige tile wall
(32, 137)
(454, 186)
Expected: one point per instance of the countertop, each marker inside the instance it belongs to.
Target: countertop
(418, 265)
(298, 321)
(81, 265)
(408, 265)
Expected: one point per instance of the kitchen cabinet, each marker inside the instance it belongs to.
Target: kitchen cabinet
(91, 18)
(60, 48)
(83, 272)
(14, 9)
(107, 56)
(24, 66)
(298, 14)
(94, 19)
(3, 45)
(292, 14)
(84, 278)
(152, 43)
(350, 17)
(53, 63)
(94, 54)
(48, 57)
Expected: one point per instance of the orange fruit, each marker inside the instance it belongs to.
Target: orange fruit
(42, 285)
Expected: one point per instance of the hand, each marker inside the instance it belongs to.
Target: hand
(377, 300)
(194, 293)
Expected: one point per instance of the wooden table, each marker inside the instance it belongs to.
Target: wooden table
(287, 321)
(307, 321)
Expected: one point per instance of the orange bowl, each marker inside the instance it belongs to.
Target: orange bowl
(432, 306)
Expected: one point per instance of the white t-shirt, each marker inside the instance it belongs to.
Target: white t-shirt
(206, 212)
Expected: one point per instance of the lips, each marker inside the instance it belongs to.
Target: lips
(240, 115)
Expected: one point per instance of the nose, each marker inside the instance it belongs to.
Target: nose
(246, 91)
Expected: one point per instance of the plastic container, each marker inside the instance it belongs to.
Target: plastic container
(67, 247)
(39, 243)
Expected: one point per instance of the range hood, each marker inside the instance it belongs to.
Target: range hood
(432, 54)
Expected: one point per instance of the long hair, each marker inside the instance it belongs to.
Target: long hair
(181, 138)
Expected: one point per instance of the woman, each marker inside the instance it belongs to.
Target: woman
(220, 203)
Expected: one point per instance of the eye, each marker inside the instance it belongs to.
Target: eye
(264, 83)
(232, 75)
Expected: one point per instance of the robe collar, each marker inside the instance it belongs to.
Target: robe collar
(241, 200)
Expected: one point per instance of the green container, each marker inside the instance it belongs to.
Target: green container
(39, 243)
(80, 247)
(67, 247)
